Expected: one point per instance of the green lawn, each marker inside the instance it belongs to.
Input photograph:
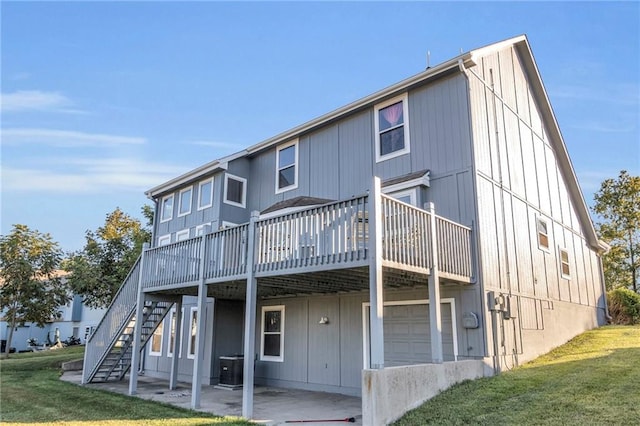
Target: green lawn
(31, 392)
(592, 380)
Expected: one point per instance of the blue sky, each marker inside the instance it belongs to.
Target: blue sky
(103, 100)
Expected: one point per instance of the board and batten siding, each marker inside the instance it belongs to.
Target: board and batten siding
(196, 217)
(517, 182)
(337, 161)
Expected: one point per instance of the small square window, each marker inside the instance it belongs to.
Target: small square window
(205, 194)
(565, 269)
(235, 190)
(272, 342)
(392, 131)
(185, 201)
(167, 208)
(543, 234)
(182, 235)
(287, 167)
(164, 240)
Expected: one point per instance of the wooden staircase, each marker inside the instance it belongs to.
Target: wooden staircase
(117, 361)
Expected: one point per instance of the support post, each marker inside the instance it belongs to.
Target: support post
(376, 299)
(173, 380)
(435, 316)
(198, 362)
(137, 329)
(250, 320)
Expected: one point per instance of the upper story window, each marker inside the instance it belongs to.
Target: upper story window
(205, 194)
(565, 270)
(164, 240)
(392, 128)
(185, 201)
(287, 167)
(166, 210)
(543, 234)
(235, 190)
(272, 341)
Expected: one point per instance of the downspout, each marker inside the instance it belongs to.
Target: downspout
(476, 232)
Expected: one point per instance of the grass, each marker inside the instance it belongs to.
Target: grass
(592, 380)
(31, 392)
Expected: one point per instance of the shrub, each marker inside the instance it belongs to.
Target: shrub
(624, 306)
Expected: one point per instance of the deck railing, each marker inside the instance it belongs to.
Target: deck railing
(226, 252)
(172, 264)
(454, 247)
(406, 234)
(112, 323)
(335, 234)
(331, 234)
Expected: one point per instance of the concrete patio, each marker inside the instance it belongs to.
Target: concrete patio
(272, 406)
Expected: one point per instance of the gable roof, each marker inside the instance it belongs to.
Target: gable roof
(457, 64)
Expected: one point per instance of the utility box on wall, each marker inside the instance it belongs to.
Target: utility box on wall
(231, 371)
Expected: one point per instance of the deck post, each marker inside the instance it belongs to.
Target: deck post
(173, 380)
(201, 320)
(250, 320)
(376, 299)
(137, 329)
(435, 316)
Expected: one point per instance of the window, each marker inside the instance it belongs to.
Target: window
(205, 194)
(193, 324)
(287, 167)
(182, 235)
(392, 128)
(543, 234)
(167, 208)
(272, 342)
(156, 341)
(185, 202)
(234, 190)
(164, 240)
(172, 333)
(565, 272)
(408, 196)
(202, 229)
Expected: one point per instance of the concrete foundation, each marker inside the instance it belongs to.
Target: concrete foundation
(390, 392)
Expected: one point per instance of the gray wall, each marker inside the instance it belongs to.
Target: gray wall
(517, 181)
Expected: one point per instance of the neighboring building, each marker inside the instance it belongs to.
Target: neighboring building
(76, 319)
(474, 247)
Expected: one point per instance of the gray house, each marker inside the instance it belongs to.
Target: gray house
(430, 232)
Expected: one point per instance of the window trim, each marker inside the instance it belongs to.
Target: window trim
(546, 248)
(153, 336)
(265, 309)
(182, 192)
(566, 276)
(162, 218)
(200, 184)
(161, 238)
(405, 112)
(173, 319)
(181, 233)
(200, 229)
(412, 193)
(244, 190)
(190, 346)
(295, 165)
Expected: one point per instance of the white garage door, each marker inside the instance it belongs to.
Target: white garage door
(407, 337)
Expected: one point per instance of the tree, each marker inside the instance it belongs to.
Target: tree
(618, 204)
(31, 290)
(98, 270)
